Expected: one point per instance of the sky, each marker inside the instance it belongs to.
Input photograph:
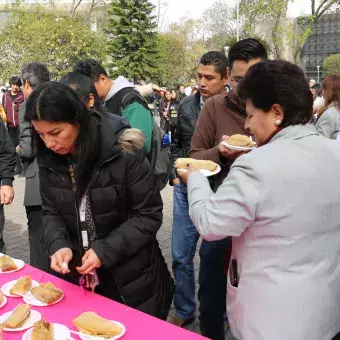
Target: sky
(194, 8)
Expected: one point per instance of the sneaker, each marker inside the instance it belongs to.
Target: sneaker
(177, 321)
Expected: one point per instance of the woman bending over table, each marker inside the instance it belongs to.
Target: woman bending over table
(280, 203)
(101, 208)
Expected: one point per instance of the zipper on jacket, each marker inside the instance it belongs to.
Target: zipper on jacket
(88, 186)
(75, 204)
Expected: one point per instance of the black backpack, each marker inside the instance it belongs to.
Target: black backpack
(158, 156)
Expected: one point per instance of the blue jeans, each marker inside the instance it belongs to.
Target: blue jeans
(214, 258)
(184, 242)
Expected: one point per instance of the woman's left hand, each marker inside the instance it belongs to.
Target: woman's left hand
(90, 261)
(184, 175)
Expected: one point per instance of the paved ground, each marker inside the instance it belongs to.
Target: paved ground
(16, 238)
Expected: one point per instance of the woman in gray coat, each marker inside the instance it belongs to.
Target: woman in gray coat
(280, 203)
(328, 122)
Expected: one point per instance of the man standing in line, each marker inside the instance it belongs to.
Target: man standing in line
(212, 79)
(11, 102)
(222, 115)
(7, 165)
(32, 75)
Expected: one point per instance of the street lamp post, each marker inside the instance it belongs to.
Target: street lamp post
(318, 67)
(238, 20)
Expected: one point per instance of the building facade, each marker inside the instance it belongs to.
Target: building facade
(323, 42)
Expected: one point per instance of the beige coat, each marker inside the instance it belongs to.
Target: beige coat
(281, 205)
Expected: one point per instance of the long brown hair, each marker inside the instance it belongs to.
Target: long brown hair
(331, 93)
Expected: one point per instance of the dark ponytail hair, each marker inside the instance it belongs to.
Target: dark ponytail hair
(57, 102)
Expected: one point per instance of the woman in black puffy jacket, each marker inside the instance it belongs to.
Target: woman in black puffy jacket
(101, 208)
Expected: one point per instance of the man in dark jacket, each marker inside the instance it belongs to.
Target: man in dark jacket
(7, 165)
(112, 93)
(223, 114)
(11, 102)
(212, 77)
(32, 74)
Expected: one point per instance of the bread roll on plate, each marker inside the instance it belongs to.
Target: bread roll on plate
(181, 163)
(241, 140)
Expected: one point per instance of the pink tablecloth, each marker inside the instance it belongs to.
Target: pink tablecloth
(139, 326)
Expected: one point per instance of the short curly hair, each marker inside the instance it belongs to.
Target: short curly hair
(279, 82)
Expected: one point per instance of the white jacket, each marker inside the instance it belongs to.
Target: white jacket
(281, 205)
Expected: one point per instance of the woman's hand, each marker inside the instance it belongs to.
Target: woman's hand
(227, 153)
(184, 175)
(60, 260)
(90, 261)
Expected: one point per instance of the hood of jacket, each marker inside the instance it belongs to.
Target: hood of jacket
(118, 84)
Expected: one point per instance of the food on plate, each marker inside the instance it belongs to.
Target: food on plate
(240, 140)
(1, 328)
(42, 331)
(7, 264)
(22, 286)
(18, 317)
(181, 163)
(1, 297)
(47, 293)
(92, 324)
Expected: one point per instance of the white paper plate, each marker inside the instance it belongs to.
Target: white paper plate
(237, 148)
(205, 172)
(87, 337)
(3, 302)
(34, 317)
(31, 300)
(20, 264)
(60, 332)
(8, 286)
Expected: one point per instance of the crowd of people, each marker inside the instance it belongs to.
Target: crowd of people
(95, 161)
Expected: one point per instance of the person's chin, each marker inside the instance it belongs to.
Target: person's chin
(61, 151)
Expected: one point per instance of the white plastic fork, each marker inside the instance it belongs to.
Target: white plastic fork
(86, 336)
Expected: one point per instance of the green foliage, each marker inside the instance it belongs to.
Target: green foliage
(331, 65)
(132, 39)
(171, 60)
(55, 40)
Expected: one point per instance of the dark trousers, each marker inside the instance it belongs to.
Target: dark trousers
(2, 227)
(38, 256)
(337, 337)
(14, 135)
(214, 258)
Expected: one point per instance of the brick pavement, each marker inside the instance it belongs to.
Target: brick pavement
(16, 238)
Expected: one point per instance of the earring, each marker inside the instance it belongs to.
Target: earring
(278, 122)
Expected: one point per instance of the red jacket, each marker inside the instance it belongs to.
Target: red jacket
(11, 106)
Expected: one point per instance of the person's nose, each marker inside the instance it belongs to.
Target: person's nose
(203, 83)
(49, 142)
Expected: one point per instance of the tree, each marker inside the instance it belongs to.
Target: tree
(171, 61)
(55, 40)
(331, 65)
(272, 13)
(132, 39)
(219, 23)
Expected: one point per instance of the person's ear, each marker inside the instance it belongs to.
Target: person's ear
(90, 101)
(226, 78)
(278, 114)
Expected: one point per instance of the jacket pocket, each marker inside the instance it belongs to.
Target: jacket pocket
(232, 308)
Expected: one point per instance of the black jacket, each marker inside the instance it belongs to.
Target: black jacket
(7, 157)
(188, 112)
(27, 156)
(127, 212)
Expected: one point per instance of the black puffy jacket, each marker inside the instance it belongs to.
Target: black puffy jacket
(127, 211)
(7, 156)
(188, 112)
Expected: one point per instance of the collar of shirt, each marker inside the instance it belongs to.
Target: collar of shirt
(201, 102)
